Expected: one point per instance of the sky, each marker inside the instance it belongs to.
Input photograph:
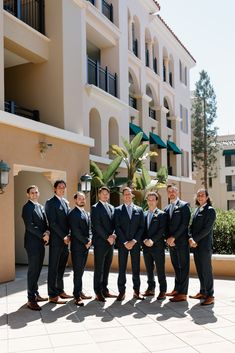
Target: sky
(207, 29)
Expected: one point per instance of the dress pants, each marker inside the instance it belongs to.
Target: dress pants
(35, 262)
(180, 261)
(79, 259)
(155, 256)
(135, 265)
(103, 256)
(202, 259)
(58, 257)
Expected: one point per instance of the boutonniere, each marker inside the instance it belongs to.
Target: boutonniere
(176, 208)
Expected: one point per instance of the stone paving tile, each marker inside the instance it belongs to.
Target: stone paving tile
(162, 342)
(129, 326)
(219, 347)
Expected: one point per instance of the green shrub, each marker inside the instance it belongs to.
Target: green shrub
(224, 232)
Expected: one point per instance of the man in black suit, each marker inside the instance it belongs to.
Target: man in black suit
(79, 224)
(129, 227)
(178, 217)
(57, 210)
(102, 222)
(154, 246)
(36, 237)
(201, 240)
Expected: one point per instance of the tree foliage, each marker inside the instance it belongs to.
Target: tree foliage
(204, 132)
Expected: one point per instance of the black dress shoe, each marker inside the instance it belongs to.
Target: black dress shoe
(84, 296)
(120, 297)
(138, 296)
(100, 298)
(33, 306)
(40, 299)
(109, 295)
(79, 302)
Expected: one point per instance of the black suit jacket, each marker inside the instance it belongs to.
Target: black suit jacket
(201, 229)
(57, 216)
(79, 228)
(35, 225)
(127, 229)
(177, 225)
(102, 225)
(157, 228)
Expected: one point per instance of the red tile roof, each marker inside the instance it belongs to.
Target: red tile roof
(175, 36)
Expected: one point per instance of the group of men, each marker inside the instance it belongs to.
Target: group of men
(127, 226)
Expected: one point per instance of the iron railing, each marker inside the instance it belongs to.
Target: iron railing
(155, 65)
(32, 12)
(101, 77)
(171, 79)
(107, 10)
(92, 1)
(152, 113)
(12, 107)
(147, 57)
(135, 47)
(132, 102)
(164, 73)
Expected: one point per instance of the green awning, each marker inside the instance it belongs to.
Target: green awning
(135, 129)
(228, 152)
(156, 140)
(171, 146)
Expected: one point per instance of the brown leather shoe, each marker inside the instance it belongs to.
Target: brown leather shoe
(33, 306)
(84, 296)
(40, 299)
(161, 296)
(100, 298)
(198, 296)
(179, 298)
(138, 296)
(208, 301)
(79, 302)
(149, 293)
(121, 297)
(172, 294)
(56, 300)
(109, 295)
(66, 296)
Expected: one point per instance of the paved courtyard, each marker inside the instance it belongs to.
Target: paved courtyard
(130, 326)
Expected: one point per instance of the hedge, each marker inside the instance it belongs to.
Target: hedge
(224, 232)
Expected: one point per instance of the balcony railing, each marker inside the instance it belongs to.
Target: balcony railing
(102, 78)
(170, 170)
(107, 10)
(147, 57)
(168, 123)
(31, 12)
(132, 102)
(155, 65)
(92, 1)
(152, 113)
(12, 107)
(135, 47)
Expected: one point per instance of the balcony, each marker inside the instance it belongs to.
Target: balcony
(31, 12)
(132, 102)
(101, 77)
(13, 108)
(152, 113)
(107, 10)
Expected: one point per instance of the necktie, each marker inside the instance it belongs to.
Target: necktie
(39, 211)
(64, 205)
(129, 210)
(108, 209)
(149, 219)
(172, 206)
(85, 215)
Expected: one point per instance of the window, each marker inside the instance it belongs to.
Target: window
(229, 160)
(180, 64)
(183, 119)
(230, 181)
(210, 182)
(183, 73)
(185, 164)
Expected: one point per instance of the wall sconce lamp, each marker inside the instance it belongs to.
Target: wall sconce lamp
(43, 147)
(4, 175)
(85, 183)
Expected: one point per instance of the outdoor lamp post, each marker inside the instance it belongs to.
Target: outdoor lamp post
(85, 183)
(4, 175)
